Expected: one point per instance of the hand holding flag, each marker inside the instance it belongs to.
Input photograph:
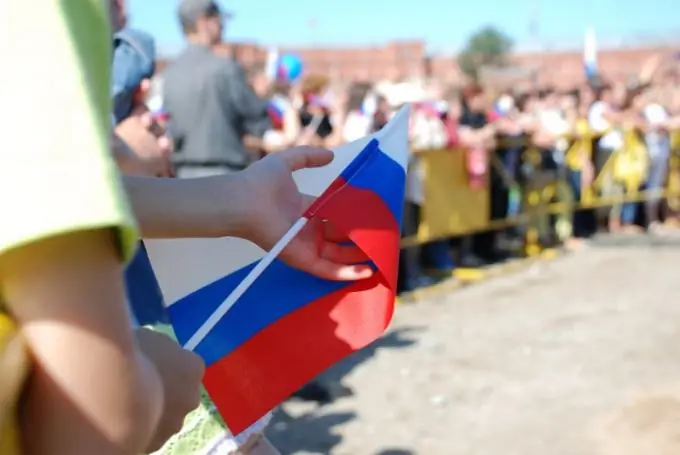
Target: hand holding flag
(264, 327)
(318, 248)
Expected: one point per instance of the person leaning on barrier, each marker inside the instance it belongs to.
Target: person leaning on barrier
(426, 133)
(606, 117)
(578, 168)
(656, 130)
(482, 247)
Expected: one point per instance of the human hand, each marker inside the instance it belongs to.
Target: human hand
(146, 138)
(181, 372)
(307, 137)
(151, 153)
(296, 96)
(272, 204)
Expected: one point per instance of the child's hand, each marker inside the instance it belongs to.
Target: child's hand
(153, 152)
(181, 372)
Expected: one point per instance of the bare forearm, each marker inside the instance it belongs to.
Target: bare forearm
(91, 390)
(176, 208)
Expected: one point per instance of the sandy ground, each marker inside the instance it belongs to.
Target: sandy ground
(529, 363)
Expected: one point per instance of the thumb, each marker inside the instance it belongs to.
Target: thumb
(305, 157)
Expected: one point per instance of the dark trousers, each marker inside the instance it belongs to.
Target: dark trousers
(583, 221)
(434, 254)
(484, 244)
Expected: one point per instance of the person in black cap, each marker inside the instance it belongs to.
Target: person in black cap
(209, 101)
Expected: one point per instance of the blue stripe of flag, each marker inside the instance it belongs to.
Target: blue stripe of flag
(385, 177)
(259, 307)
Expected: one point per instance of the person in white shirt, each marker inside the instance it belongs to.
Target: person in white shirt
(426, 133)
(359, 117)
(658, 145)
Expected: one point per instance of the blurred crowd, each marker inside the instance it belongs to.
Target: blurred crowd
(206, 115)
(575, 131)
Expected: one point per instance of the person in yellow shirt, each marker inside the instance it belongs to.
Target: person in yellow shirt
(66, 231)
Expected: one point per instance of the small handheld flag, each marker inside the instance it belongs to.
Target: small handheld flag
(276, 111)
(264, 328)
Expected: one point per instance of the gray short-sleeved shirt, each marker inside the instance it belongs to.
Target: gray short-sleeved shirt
(211, 108)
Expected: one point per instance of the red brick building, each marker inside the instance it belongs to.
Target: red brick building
(402, 59)
(395, 59)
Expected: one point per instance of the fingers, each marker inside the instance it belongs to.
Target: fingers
(331, 234)
(329, 260)
(325, 227)
(329, 270)
(342, 254)
(305, 157)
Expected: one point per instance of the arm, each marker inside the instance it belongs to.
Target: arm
(181, 372)
(91, 389)
(175, 208)
(244, 101)
(126, 159)
(254, 144)
(291, 127)
(649, 69)
(466, 136)
(612, 117)
(290, 136)
(338, 116)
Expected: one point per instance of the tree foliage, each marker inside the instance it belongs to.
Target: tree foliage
(486, 47)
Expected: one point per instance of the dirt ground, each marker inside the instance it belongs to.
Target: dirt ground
(530, 363)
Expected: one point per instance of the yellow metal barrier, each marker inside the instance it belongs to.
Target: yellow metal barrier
(451, 205)
(453, 209)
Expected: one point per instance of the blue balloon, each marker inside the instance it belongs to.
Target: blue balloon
(289, 68)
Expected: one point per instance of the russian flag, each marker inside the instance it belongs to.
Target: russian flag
(265, 329)
(276, 110)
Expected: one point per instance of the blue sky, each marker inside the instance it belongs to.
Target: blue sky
(444, 24)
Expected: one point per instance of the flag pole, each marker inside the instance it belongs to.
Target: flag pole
(244, 285)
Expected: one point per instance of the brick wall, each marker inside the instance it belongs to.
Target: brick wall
(403, 59)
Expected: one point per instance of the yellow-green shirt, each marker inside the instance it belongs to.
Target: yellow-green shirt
(57, 174)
